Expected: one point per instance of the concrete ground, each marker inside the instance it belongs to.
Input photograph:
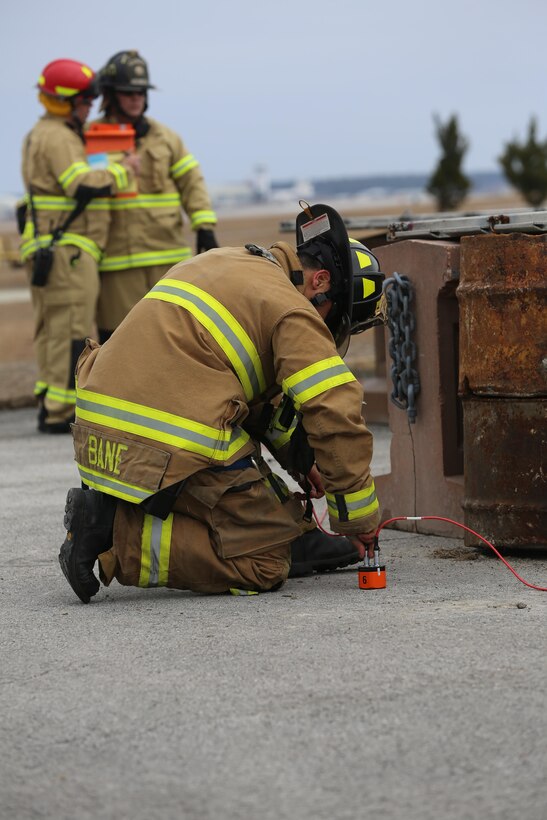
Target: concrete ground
(422, 701)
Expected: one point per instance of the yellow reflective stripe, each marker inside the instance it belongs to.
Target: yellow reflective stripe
(278, 437)
(72, 172)
(182, 166)
(146, 201)
(315, 379)
(159, 426)
(120, 175)
(222, 326)
(28, 232)
(349, 506)
(100, 203)
(82, 242)
(165, 550)
(236, 591)
(113, 486)
(155, 551)
(53, 203)
(65, 203)
(88, 245)
(143, 260)
(61, 395)
(203, 217)
(39, 388)
(145, 551)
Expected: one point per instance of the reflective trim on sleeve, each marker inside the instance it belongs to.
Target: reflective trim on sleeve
(40, 388)
(113, 486)
(61, 395)
(146, 201)
(30, 246)
(315, 379)
(203, 218)
(278, 437)
(182, 166)
(120, 175)
(77, 169)
(350, 506)
(144, 260)
(155, 551)
(159, 426)
(222, 326)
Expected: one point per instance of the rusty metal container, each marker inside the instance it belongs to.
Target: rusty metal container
(505, 470)
(503, 315)
(503, 383)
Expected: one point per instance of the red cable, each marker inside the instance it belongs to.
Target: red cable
(449, 521)
(463, 527)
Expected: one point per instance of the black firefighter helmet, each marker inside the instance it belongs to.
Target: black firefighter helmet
(125, 71)
(356, 279)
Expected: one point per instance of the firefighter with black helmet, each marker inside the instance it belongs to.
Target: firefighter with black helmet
(64, 224)
(170, 422)
(146, 233)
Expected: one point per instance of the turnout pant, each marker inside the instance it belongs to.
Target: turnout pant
(64, 311)
(228, 529)
(121, 290)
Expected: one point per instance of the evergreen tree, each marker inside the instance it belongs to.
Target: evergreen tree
(448, 184)
(525, 166)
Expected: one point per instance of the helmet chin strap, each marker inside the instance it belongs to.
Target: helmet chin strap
(320, 298)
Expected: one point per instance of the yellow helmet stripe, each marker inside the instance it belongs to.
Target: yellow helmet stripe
(364, 259)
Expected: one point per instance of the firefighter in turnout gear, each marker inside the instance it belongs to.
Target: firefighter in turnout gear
(230, 350)
(64, 224)
(146, 235)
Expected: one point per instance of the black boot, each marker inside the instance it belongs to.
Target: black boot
(57, 428)
(316, 552)
(89, 520)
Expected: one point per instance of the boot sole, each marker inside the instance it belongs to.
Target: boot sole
(66, 554)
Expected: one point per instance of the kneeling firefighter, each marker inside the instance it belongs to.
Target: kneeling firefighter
(234, 348)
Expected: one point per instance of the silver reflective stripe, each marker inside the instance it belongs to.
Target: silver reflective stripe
(363, 502)
(155, 546)
(159, 426)
(311, 381)
(155, 426)
(116, 487)
(221, 325)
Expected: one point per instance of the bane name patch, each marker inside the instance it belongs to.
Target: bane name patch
(119, 458)
(105, 454)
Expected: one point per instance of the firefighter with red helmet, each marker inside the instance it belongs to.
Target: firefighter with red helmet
(146, 234)
(64, 225)
(170, 421)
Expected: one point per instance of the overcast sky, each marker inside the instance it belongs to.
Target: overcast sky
(310, 89)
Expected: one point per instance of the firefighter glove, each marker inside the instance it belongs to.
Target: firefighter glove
(206, 240)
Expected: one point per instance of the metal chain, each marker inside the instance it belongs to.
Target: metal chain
(401, 322)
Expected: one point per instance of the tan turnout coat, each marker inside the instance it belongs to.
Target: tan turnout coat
(169, 394)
